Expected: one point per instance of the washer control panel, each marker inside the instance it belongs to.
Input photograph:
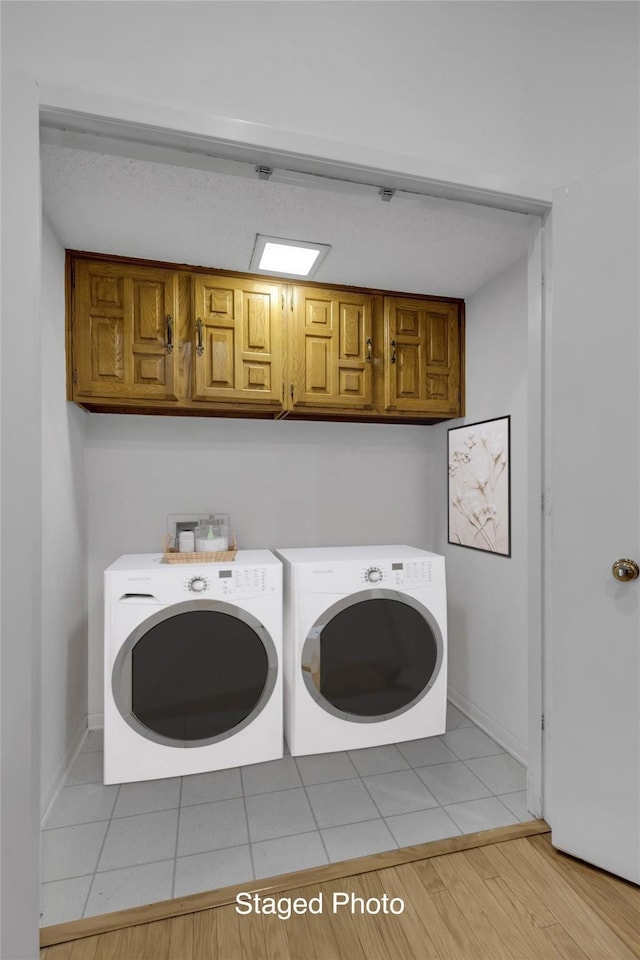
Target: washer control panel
(197, 584)
(231, 583)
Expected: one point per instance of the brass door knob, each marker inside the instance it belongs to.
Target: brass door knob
(625, 570)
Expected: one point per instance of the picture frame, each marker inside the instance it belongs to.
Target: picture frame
(479, 486)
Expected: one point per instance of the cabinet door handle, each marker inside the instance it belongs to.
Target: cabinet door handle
(169, 333)
(199, 347)
(393, 354)
(369, 356)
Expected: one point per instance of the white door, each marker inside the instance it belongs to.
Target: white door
(594, 731)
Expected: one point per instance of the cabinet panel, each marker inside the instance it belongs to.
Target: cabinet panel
(318, 314)
(148, 315)
(318, 367)
(407, 321)
(219, 357)
(422, 356)
(106, 291)
(107, 349)
(437, 387)
(351, 331)
(438, 339)
(352, 384)
(237, 355)
(257, 323)
(121, 340)
(257, 376)
(149, 369)
(408, 372)
(329, 349)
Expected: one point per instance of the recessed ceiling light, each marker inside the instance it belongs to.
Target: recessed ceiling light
(287, 258)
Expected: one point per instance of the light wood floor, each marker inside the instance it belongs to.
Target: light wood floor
(507, 896)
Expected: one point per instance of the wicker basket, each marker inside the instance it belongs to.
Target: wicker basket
(171, 555)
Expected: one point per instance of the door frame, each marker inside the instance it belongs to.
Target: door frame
(145, 140)
(537, 304)
(20, 901)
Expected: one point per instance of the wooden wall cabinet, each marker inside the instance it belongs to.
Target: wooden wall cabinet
(173, 339)
(331, 349)
(237, 353)
(123, 332)
(423, 358)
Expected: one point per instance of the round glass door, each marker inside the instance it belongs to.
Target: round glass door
(194, 674)
(372, 656)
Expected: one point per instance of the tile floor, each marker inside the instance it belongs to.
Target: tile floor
(107, 848)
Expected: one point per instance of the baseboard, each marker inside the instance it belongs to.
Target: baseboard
(95, 721)
(491, 727)
(64, 766)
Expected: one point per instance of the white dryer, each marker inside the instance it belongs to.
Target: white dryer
(192, 665)
(365, 646)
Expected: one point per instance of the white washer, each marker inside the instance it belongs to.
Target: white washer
(192, 665)
(365, 646)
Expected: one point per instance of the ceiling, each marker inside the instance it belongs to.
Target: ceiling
(203, 211)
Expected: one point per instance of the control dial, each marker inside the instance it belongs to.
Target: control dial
(197, 584)
(373, 575)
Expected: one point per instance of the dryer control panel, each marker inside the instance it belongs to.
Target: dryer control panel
(407, 573)
(412, 572)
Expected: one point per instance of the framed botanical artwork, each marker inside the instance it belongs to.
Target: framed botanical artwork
(479, 511)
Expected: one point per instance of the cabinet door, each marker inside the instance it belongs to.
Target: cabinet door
(331, 348)
(422, 356)
(123, 331)
(237, 354)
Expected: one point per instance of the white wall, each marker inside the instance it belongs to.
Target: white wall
(513, 97)
(284, 484)
(487, 601)
(20, 510)
(64, 537)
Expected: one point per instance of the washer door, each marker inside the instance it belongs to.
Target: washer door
(195, 673)
(372, 656)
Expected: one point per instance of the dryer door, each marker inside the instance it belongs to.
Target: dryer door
(372, 656)
(195, 673)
